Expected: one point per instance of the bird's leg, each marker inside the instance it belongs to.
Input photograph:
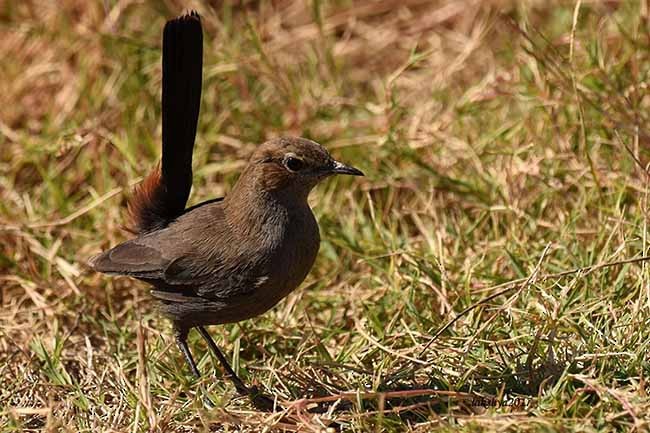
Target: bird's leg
(181, 340)
(239, 384)
(260, 401)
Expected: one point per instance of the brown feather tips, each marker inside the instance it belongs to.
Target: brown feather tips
(146, 206)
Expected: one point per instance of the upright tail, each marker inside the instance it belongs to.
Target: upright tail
(162, 196)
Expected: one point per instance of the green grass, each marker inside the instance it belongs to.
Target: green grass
(502, 142)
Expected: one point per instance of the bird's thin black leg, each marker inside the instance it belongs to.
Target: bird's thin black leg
(239, 384)
(181, 340)
(260, 401)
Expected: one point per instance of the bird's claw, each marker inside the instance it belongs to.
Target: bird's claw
(261, 401)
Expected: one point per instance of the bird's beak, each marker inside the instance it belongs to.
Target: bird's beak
(340, 168)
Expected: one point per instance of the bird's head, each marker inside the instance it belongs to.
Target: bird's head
(292, 165)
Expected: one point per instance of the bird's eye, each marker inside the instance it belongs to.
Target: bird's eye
(294, 164)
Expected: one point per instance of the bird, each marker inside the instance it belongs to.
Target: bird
(226, 259)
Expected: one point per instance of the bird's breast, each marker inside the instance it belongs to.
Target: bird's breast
(302, 240)
(290, 254)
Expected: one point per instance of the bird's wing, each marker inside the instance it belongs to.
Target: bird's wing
(133, 258)
(218, 281)
(182, 263)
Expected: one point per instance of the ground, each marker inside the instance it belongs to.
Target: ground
(488, 272)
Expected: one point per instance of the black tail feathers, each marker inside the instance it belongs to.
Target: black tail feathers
(162, 196)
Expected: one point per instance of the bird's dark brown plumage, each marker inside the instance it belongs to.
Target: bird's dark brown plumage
(224, 260)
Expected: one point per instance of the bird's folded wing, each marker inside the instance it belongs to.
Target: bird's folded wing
(179, 279)
(220, 280)
(141, 259)
(178, 262)
(131, 258)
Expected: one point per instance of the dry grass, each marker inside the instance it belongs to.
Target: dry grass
(503, 141)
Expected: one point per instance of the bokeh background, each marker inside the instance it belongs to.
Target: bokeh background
(505, 146)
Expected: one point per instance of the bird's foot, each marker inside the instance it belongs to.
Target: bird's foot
(261, 401)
